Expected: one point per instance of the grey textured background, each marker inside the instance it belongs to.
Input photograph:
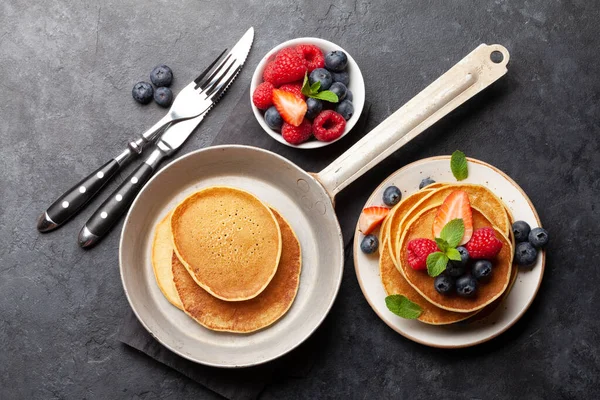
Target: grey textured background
(66, 72)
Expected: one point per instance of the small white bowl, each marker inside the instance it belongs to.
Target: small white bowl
(356, 86)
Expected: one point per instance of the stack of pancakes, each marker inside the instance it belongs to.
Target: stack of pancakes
(227, 260)
(413, 218)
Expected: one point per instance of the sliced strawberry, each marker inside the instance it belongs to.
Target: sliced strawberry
(290, 106)
(371, 217)
(456, 205)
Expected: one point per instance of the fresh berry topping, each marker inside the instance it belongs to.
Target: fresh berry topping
(349, 95)
(339, 89)
(538, 237)
(345, 109)
(163, 96)
(371, 217)
(482, 269)
(142, 92)
(369, 244)
(296, 134)
(273, 118)
(313, 56)
(289, 66)
(291, 108)
(161, 76)
(426, 182)
(525, 254)
(457, 268)
(294, 87)
(484, 244)
(336, 61)
(263, 95)
(521, 231)
(341, 77)
(417, 251)
(392, 196)
(443, 284)
(321, 75)
(315, 106)
(466, 286)
(328, 126)
(456, 205)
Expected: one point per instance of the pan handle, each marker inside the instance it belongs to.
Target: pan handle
(479, 69)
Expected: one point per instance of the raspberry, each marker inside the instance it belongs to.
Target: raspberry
(417, 251)
(296, 134)
(313, 56)
(328, 126)
(483, 244)
(295, 87)
(263, 95)
(289, 66)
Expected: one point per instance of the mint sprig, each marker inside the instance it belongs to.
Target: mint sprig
(450, 237)
(313, 91)
(458, 165)
(403, 307)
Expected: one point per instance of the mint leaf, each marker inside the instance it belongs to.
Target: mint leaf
(403, 307)
(315, 87)
(326, 95)
(458, 165)
(453, 232)
(442, 244)
(306, 90)
(313, 91)
(436, 263)
(453, 254)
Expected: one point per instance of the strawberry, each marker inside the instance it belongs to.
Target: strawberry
(484, 244)
(456, 205)
(291, 108)
(371, 217)
(295, 87)
(313, 56)
(263, 95)
(417, 251)
(297, 134)
(289, 66)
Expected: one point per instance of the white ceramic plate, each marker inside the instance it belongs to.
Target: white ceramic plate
(461, 334)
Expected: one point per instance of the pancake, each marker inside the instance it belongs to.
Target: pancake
(250, 315)
(420, 227)
(394, 283)
(228, 240)
(162, 254)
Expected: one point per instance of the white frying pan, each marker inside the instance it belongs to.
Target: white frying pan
(304, 199)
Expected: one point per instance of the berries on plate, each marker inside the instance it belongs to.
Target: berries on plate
(443, 284)
(296, 134)
(315, 106)
(313, 56)
(295, 87)
(163, 96)
(417, 251)
(161, 76)
(369, 244)
(521, 231)
(322, 76)
(263, 95)
(371, 217)
(525, 254)
(466, 286)
(482, 269)
(456, 205)
(457, 268)
(336, 61)
(142, 92)
(291, 107)
(538, 237)
(392, 196)
(339, 89)
(484, 244)
(289, 66)
(341, 77)
(273, 118)
(345, 109)
(426, 182)
(328, 126)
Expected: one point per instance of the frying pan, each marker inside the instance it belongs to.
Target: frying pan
(303, 198)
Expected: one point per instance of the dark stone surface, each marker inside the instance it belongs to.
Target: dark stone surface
(67, 69)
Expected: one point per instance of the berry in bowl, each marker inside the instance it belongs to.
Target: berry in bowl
(307, 93)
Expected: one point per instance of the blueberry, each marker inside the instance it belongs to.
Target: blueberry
(315, 106)
(345, 109)
(341, 77)
(443, 284)
(455, 268)
(538, 237)
(273, 118)
(482, 269)
(525, 254)
(391, 196)
(339, 89)
(336, 61)
(521, 231)
(466, 286)
(163, 96)
(142, 92)
(349, 96)
(321, 75)
(369, 244)
(161, 76)
(425, 182)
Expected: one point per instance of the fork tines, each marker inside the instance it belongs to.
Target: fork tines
(212, 76)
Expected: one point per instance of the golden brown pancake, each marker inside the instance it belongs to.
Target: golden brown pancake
(249, 315)
(162, 254)
(420, 227)
(228, 240)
